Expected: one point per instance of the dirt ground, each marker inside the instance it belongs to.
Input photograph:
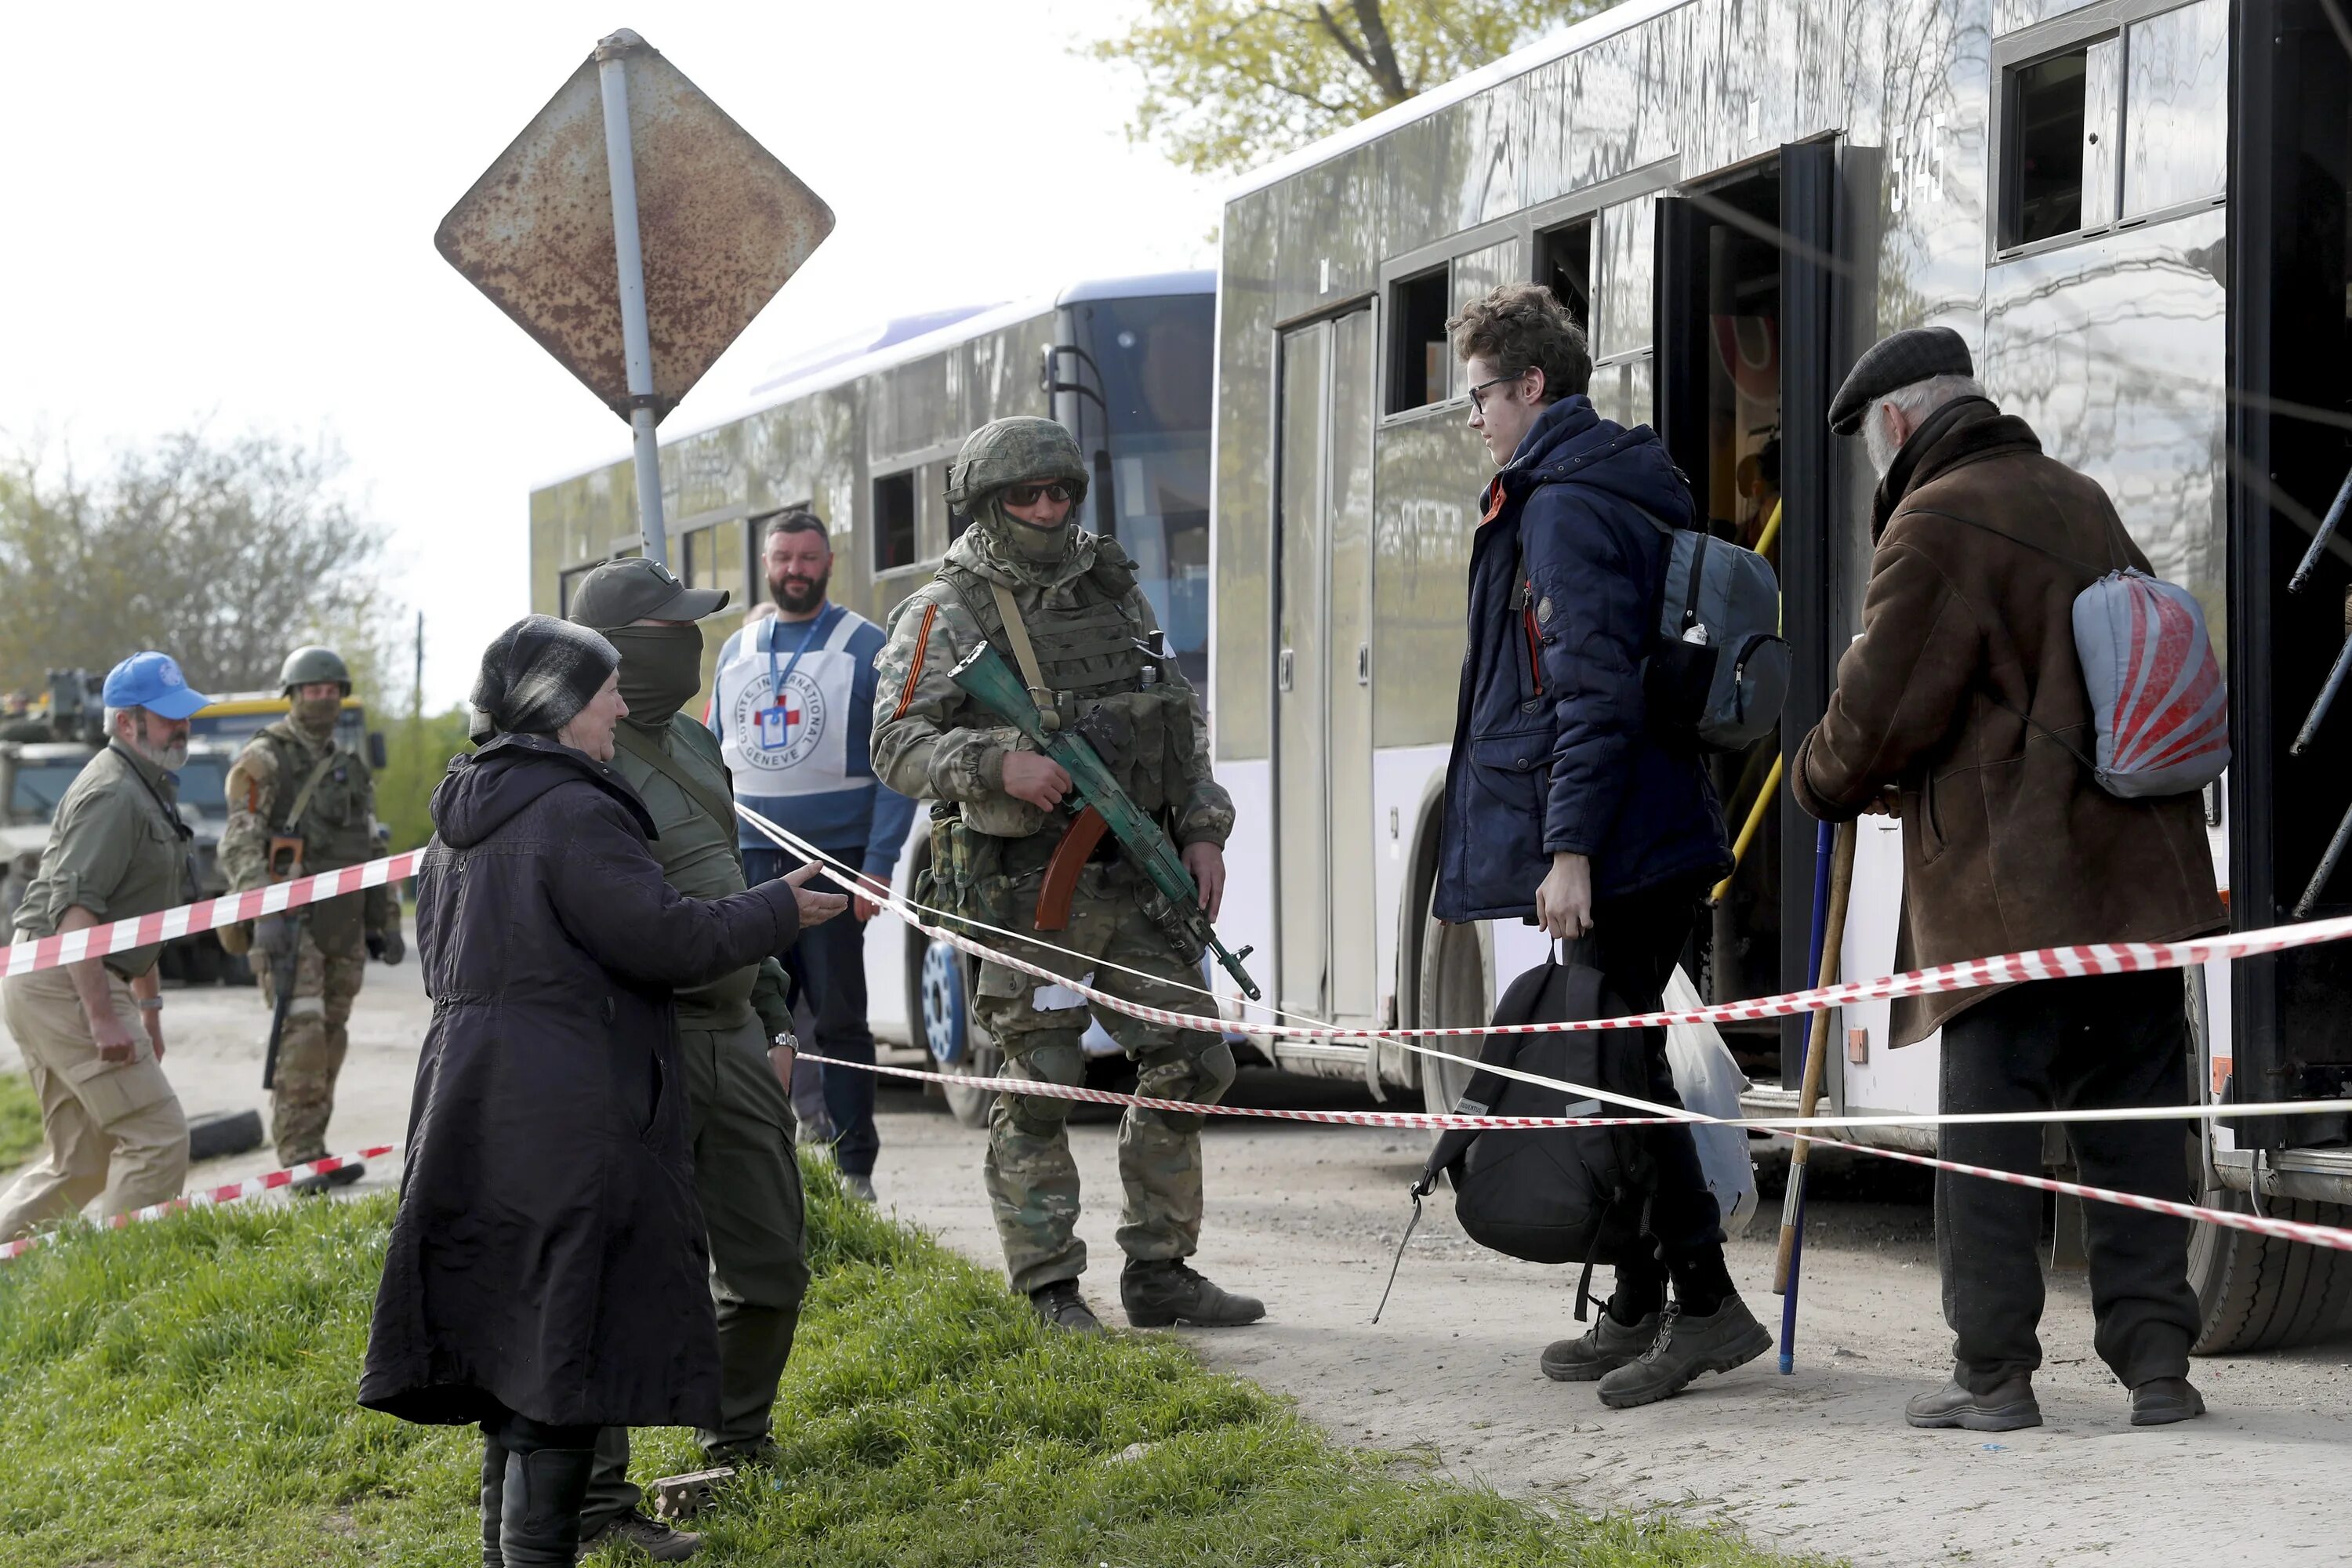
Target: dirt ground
(1819, 1461)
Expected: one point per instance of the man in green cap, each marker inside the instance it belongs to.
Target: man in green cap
(734, 1035)
(298, 804)
(1062, 605)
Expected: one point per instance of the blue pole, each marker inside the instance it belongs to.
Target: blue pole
(1825, 841)
(1789, 1297)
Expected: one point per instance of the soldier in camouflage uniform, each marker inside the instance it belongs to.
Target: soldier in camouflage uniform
(1062, 607)
(292, 781)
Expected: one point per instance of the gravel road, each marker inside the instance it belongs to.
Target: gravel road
(1819, 1461)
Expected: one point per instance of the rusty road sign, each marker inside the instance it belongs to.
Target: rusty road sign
(723, 224)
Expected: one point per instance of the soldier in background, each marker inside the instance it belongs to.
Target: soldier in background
(1062, 605)
(299, 804)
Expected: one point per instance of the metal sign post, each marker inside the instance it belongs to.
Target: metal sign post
(634, 230)
(636, 342)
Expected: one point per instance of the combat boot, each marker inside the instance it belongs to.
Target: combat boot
(1600, 1350)
(1060, 1306)
(343, 1175)
(1161, 1292)
(2006, 1406)
(1686, 1345)
(649, 1535)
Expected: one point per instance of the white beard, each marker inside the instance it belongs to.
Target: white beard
(1883, 448)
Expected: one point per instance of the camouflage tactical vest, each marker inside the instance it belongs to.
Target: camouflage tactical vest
(336, 828)
(1093, 658)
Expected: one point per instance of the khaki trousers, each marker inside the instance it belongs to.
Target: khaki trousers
(114, 1128)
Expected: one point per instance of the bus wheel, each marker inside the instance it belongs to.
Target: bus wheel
(2260, 1293)
(1452, 995)
(955, 1046)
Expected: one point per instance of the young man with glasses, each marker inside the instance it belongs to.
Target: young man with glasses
(1563, 810)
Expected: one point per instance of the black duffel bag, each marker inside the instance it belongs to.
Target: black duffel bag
(1553, 1195)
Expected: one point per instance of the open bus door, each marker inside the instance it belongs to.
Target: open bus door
(2290, 438)
(1749, 287)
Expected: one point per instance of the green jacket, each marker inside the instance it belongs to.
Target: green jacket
(700, 858)
(116, 847)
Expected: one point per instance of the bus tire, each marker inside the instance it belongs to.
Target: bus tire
(1452, 995)
(957, 1045)
(2261, 1293)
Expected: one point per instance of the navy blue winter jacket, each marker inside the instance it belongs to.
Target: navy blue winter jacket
(1550, 750)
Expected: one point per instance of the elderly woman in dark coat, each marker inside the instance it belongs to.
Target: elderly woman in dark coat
(547, 1272)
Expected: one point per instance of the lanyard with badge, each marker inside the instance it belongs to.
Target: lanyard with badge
(774, 722)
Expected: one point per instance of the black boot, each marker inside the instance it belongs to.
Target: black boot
(1161, 1292)
(538, 1513)
(494, 1487)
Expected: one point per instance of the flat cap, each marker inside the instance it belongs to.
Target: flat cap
(1897, 360)
(635, 588)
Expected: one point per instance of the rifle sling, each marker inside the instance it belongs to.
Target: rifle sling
(649, 751)
(293, 818)
(1016, 632)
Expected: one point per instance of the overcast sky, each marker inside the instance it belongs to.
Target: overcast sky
(224, 214)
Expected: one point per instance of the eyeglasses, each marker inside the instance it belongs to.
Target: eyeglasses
(1029, 495)
(1478, 393)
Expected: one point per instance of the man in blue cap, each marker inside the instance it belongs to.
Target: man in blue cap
(116, 849)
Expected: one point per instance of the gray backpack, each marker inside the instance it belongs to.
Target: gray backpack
(1718, 672)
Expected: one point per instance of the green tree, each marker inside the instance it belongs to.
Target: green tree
(417, 749)
(225, 554)
(1228, 84)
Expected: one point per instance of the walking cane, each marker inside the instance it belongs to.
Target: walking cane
(1830, 938)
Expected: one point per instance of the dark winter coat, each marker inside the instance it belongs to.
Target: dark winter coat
(549, 1257)
(1982, 543)
(1551, 751)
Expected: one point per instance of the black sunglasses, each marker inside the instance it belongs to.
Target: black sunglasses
(1478, 393)
(1029, 495)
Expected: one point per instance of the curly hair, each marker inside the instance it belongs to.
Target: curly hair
(1519, 327)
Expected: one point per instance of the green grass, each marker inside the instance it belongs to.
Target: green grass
(181, 1393)
(20, 1120)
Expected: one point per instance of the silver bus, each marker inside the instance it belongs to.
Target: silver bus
(2135, 211)
(862, 434)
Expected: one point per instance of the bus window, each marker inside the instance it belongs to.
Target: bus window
(893, 521)
(2061, 170)
(1147, 445)
(567, 582)
(1420, 360)
(2178, 133)
(1564, 266)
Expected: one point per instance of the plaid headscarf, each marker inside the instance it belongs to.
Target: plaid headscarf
(536, 675)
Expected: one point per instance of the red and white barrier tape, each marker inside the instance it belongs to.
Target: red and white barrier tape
(208, 914)
(2004, 969)
(1793, 1002)
(2332, 1237)
(210, 1197)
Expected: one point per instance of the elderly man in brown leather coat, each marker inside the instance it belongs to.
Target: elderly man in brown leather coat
(1962, 708)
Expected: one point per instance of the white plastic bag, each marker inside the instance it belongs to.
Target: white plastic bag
(1709, 1081)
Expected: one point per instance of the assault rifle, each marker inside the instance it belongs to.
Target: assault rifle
(279, 936)
(1099, 803)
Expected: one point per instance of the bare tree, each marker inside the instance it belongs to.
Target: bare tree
(225, 554)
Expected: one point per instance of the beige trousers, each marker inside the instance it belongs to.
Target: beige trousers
(114, 1128)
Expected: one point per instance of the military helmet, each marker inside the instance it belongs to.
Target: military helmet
(1010, 451)
(305, 665)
